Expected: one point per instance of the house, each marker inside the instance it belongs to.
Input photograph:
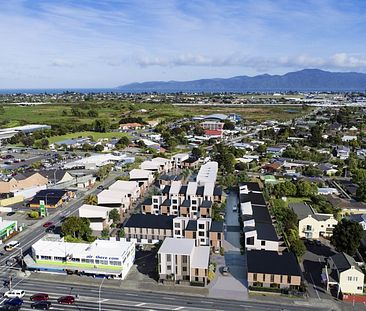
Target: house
(272, 167)
(273, 270)
(131, 126)
(157, 165)
(277, 149)
(178, 159)
(342, 272)
(57, 176)
(313, 225)
(52, 198)
(348, 138)
(73, 143)
(342, 152)
(166, 180)
(97, 215)
(144, 178)
(191, 163)
(213, 128)
(359, 218)
(328, 169)
(181, 261)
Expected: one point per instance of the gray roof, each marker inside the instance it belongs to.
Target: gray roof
(344, 262)
(266, 232)
(302, 210)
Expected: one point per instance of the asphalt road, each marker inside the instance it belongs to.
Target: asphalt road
(120, 299)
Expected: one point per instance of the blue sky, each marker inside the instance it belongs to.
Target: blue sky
(106, 43)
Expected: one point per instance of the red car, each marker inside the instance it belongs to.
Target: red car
(39, 297)
(67, 300)
(48, 224)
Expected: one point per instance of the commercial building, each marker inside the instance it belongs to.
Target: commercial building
(181, 261)
(52, 198)
(272, 269)
(114, 199)
(313, 225)
(160, 165)
(97, 215)
(7, 227)
(343, 273)
(20, 184)
(102, 257)
(97, 160)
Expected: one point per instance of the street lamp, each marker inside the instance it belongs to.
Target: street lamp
(46, 197)
(100, 289)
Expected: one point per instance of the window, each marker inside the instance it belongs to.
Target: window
(254, 277)
(177, 232)
(272, 278)
(168, 257)
(281, 278)
(201, 233)
(175, 201)
(289, 279)
(201, 226)
(155, 200)
(359, 287)
(349, 278)
(177, 225)
(194, 202)
(355, 278)
(184, 259)
(115, 263)
(308, 227)
(87, 260)
(168, 267)
(59, 258)
(263, 243)
(184, 269)
(250, 241)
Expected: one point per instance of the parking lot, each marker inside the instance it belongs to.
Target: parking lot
(313, 263)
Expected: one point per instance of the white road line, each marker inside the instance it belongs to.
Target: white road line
(178, 308)
(168, 298)
(141, 304)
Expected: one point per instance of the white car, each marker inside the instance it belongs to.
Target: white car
(14, 294)
(235, 208)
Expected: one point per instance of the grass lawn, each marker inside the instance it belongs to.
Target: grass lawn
(297, 200)
(95, 135)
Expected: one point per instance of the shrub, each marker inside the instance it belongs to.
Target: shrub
(222, 251)
(34, 214)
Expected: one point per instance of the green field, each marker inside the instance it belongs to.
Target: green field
(58, 114)
(95, 135)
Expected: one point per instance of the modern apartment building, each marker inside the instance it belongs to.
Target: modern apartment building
(258, 228)
(191, 200)
(150, 229)
(207, 173)
(181, 261)
(272, 269)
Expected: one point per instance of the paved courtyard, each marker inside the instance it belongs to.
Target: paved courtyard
(233, 286)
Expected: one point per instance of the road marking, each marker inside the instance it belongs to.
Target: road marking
(128, 294)
(168, 298)
(178, 308)
(141, 304)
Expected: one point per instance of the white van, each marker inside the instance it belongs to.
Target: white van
(11, 245)
(14, 293)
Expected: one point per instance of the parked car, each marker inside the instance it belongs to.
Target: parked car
(100, 187)
(66, 300)
(11, 245)
(41, 305)
(235, 208)
(14, 293)
(318, 243)
(48, 224)
(39, 297)
(311, 242)
(14, 302)
(51, 228)
(225, 271)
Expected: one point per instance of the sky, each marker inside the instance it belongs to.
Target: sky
(106, 43)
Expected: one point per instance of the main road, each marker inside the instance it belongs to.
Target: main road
(108, 298)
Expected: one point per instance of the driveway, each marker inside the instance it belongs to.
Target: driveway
(233, 286)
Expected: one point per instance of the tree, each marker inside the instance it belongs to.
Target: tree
(28, 141)
(91, 199)
(76, 227)
(114, 216)
(228, 125)
(99, 148)
(121, 233)
(93, 113)
(347, 235)
(123, 142)
(316, 135)
(197, 152)
(104, 171)
(105, 233)
(361, 192)
(102, 125)
(306, 188)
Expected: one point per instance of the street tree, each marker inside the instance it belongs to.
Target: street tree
(114, 215)
(76, 227)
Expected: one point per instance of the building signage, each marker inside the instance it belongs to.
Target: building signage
(42, 208)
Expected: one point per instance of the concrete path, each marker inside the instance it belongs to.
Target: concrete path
(234, 285)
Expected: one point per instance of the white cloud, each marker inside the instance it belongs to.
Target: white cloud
(59, 62)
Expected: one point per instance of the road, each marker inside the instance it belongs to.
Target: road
(120, 299)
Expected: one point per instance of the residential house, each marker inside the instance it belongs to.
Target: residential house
(207, 173)
(273, 270)
(97, 215)
(178, 159)
(131, 188)
(342, 152)
(348, 138)
(115, 199)
(342, 272)
(144, 178)
(328, 169)
(181, 261)
(313, 225)
(131, 126)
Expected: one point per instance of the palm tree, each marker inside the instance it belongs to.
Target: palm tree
(91, 200)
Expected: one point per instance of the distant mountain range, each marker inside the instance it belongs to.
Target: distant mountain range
(303, 80)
